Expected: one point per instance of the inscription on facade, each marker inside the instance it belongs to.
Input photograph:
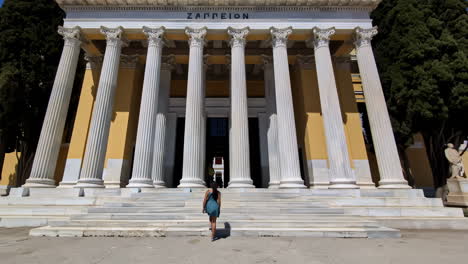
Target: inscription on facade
(217, 15)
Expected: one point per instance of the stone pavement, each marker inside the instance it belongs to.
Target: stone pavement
(415, 247)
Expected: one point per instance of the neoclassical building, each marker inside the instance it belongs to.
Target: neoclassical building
(287, 93)
(171, 85)
(282, 99)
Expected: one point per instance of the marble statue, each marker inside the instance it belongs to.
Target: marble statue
(454, 157)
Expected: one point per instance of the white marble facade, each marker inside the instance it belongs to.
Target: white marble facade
(279, 147)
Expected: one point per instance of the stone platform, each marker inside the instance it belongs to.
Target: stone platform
(245, 212)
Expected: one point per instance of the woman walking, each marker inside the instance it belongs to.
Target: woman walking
(212, 206)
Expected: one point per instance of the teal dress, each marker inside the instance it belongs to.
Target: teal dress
(212, 206)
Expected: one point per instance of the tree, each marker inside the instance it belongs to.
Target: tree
(30, 50)
(421, 52)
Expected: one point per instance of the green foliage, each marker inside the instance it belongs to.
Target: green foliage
(30, 50)
(421, 51)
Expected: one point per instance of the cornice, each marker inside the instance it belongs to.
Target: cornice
(220, 3)
(220, 8)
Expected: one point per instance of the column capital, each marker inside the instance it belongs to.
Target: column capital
(92, 62)
(196, 36)
(321, 37)
(168, 62)
(363, 37)
(114, 35)
(155, 36)
(128, 61)
(72, 36)
(280, 36)
(238, 36)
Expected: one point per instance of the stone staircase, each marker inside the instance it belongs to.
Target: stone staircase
(254, 212)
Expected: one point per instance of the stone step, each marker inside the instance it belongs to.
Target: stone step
(330, 222)
(361, 232)
(405, 211)
(6, 201)
(239, 210)
(198, 216)
(28, 221)
(45, 210)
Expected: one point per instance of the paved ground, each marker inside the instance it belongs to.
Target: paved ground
(415, 247)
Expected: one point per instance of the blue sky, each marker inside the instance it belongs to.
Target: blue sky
(1, 2)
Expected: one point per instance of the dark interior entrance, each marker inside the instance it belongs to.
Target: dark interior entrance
(217, 145)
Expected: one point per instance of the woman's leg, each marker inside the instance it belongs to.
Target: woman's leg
(213, 226)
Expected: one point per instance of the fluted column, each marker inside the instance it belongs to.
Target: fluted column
(45, 160)
(191, 176)
(143, 158)
(272, 131)
(93, 162)
(340, 172)
(157, 173)
(239, 163)
(391, 175)
(287, 139)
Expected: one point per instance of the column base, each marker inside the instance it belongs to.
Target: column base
(140, 183)
(65, 184)
(39, 183)
(343, 184)
(393, 184)
(89, 183)
(192, 183)
(159, 184)
(274, 185)
(241, 184)
(292, 184)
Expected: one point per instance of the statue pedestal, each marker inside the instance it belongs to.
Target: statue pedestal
(458, 192)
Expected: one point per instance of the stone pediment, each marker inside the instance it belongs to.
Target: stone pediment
(220, 3)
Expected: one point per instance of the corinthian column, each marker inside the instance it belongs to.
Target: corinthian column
(287, 139)
(141, 174)
(191, 170)
(93, 162)
(272, 132)
(43, 168)
(391, 175)
(341, 174)
(157, 173)
(239, 163)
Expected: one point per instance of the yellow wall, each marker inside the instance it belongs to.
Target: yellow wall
(83, 114)
(122, 133)
(9, 169)
(309, 123)
(419, 163)
(349, 112)
(218, 88)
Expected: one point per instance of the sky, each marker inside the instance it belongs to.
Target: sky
(1, 2)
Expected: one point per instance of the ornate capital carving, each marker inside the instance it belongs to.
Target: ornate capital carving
(238, 36)
(168, 62)
(280, 36)
(128, 61)
(363, 37)
(92, 62)
(196, 36)
(322, 36)
(72, 36)
(114, 36)
(155, 36)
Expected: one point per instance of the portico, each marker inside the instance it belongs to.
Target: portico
(226, 61)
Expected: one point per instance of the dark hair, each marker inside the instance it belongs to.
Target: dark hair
(215, 192)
